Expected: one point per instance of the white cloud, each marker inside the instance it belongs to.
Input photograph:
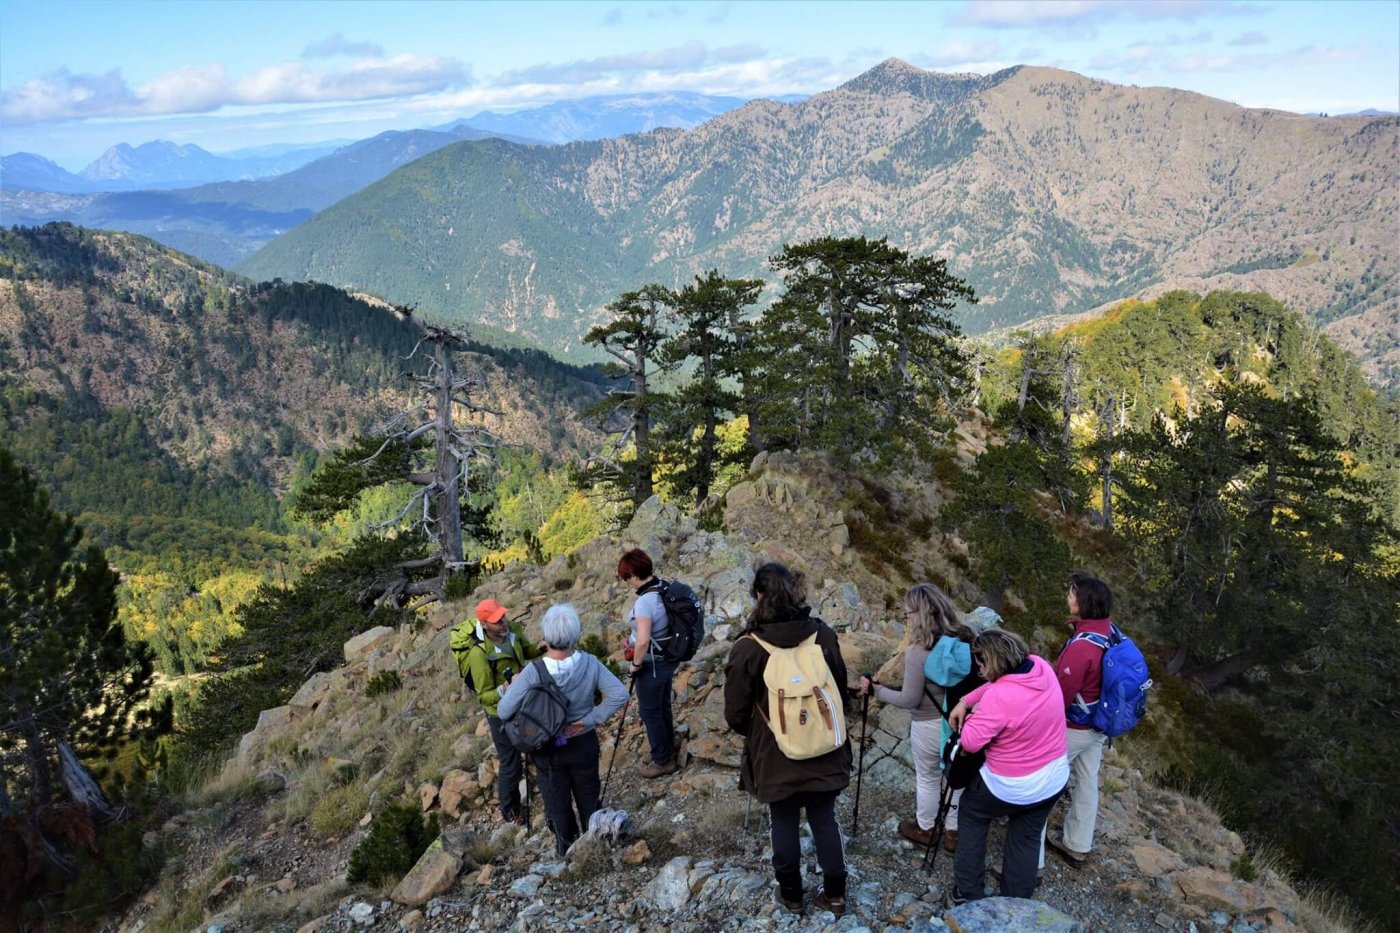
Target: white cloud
(684, 58)
(961, 54)
(337, 44)
(64, 96)
(1250, 38)
(1030, 13)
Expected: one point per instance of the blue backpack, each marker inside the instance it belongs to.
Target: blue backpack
(1123, 697)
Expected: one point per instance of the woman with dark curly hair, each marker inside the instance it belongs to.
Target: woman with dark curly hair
(780, 620)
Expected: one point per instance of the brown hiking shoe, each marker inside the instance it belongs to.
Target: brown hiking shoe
(837, 905)
(910, 830)
(950, 840)
(792, 907)
(653, 770)
(1056, 841)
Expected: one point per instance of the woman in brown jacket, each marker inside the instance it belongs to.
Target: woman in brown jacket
(782, 618)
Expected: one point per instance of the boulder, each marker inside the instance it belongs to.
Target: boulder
(1215, 890)
(310, 694)
(359, 647)
(272, 724)
(998, 914)
(427, 795)
(430, 876)
(457, 786)
(670, 889)
(1153, 860)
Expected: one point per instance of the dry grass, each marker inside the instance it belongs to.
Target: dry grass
(261, 913)
(234, 781)
(338, 811)
(179, 906)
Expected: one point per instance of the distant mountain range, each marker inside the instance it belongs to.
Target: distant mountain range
(222, 208)
(1050, 192)
(607, 117)
(153, 165)
(224, 222)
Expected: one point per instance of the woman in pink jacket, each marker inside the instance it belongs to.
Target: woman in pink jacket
(1018, 717)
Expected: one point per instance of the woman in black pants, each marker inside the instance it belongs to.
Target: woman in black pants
(782, 619)
(568, 769)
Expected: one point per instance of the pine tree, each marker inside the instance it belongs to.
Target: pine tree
(710, 332)
(71, 686)
(857, 355)
(633, 338)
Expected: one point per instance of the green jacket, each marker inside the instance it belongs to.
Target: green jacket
(485, 664)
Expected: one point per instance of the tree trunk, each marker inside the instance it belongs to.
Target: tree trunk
(447, 507)
(83, 789)
(1212, 678)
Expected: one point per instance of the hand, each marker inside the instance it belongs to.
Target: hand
(573, 729)
(503, 688)
(958, 716)
(866, 685)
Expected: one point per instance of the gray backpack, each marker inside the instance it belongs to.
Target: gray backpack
(541, 716)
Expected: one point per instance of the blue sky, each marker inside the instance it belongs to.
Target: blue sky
(78, 76)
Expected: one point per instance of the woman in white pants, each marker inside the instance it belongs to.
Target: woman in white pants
(929, 615)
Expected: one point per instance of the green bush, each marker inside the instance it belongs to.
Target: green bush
(398, 836)
(382, 683)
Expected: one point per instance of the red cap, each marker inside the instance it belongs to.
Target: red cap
(488, 610)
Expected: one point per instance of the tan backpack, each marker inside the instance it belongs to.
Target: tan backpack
(804, 706)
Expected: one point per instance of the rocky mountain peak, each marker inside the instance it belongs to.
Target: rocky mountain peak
(896, 76)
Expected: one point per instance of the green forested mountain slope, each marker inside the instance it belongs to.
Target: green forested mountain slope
(1048, 191)
(171, 405)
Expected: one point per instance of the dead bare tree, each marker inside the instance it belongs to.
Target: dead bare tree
(435, 508)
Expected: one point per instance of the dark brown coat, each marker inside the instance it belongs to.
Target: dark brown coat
(765, 771)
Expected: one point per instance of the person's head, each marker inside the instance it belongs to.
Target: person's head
(635, 567)
(492, 616)
(929, 613)
(1088, 597)
(998, 651)
(561, 627)
(778, 593)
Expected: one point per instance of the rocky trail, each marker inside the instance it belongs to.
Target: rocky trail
(268, 845)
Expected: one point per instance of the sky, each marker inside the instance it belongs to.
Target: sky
(79, 76)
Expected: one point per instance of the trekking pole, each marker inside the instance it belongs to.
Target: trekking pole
(860, 769)
(945, 806)
(617, 740)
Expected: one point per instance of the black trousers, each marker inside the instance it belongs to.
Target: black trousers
(511, 765)
(1019, 856)
(568, 776)
(787, 848)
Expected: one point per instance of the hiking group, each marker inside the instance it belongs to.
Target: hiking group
(995, 731)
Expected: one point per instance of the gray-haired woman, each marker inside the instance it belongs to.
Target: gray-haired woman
(568, 769)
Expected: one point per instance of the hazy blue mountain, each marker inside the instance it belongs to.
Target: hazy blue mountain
(224, 222)
(605, 117)
(34, 172)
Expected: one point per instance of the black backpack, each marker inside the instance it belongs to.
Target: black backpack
(960, 767)
(685, 621)
(541, 716)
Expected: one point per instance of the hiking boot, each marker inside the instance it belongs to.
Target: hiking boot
(956, 898)
(653, 770)
(1073, 857)
(910, 830)
(514, 816)
(950, 840)
(836, 905)
(792, 907)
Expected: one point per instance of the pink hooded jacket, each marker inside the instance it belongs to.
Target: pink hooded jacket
(1019, 719)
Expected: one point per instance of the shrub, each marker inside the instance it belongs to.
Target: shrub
(339, 810)
(382, 683)
(398, 836)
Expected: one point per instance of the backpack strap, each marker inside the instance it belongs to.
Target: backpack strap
(1098, 641)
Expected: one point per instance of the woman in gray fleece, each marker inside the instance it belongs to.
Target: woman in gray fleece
(929, 615)
(568, 769)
